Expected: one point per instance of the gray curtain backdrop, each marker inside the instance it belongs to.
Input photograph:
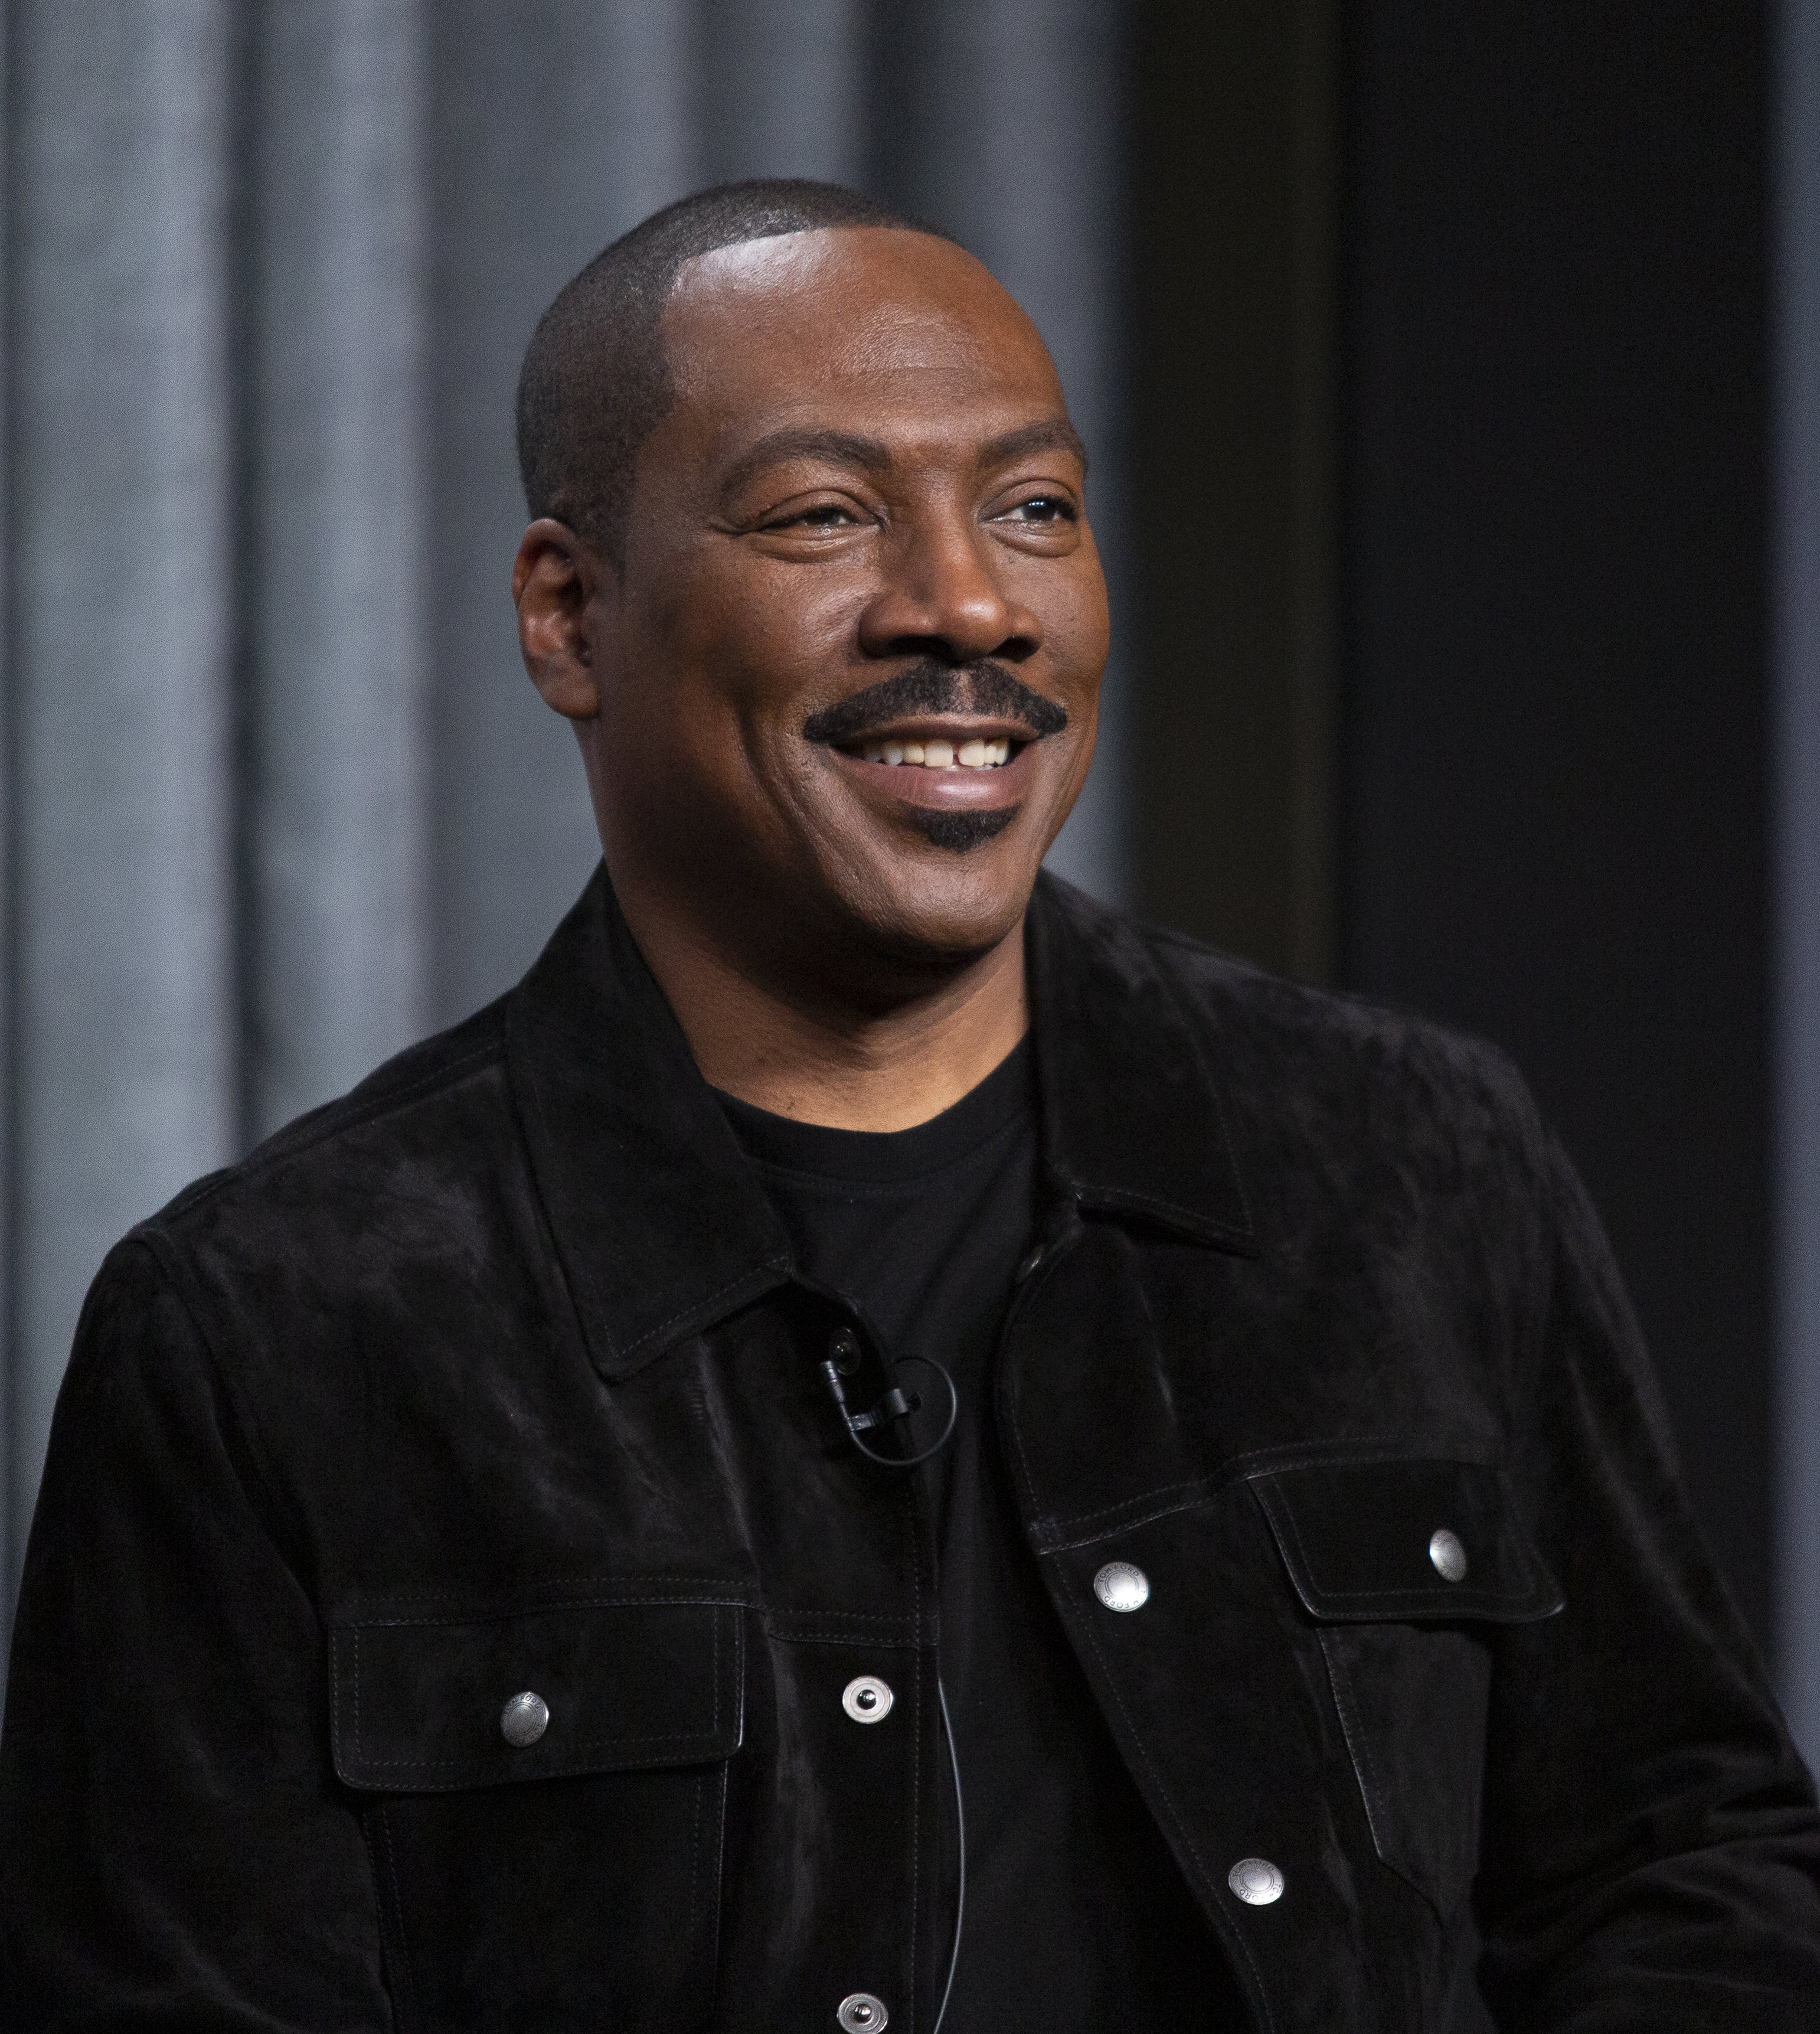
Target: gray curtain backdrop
(277, 797)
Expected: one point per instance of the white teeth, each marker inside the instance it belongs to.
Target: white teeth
(975, 755)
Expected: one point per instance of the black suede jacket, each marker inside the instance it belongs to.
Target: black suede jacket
(493, 1378)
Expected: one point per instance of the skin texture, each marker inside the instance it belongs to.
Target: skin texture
(867, 476)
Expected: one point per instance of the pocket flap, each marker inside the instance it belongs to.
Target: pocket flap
(1370, 1540)
(419, 1702)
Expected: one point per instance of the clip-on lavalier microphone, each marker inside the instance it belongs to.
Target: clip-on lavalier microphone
(896, 1405)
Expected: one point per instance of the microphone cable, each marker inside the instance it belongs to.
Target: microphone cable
(898, 1405)
(960, 1844)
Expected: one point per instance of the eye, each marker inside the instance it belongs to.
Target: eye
(1040, 509)
(822, 515)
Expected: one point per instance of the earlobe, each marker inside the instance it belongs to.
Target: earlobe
(556, 580)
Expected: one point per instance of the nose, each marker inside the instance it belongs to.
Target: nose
(942, 594)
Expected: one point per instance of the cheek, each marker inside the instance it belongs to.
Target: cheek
(755, 634)
(1083, 629)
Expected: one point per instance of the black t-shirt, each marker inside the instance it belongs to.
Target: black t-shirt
(1078, 1921)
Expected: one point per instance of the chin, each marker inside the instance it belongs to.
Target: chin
(948, 903)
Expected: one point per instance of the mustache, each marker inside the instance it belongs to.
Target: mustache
(931, 686)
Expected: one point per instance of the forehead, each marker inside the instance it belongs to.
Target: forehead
(894, 320)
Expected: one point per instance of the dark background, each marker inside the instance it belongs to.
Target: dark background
(1451, 475)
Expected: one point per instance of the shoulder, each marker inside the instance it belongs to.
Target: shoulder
(1305, 1070)
(423, 1132)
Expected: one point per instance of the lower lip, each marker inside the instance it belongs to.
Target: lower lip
(956, 789)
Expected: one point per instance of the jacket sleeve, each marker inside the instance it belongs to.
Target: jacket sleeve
(172, 1850)
(1651, 1859)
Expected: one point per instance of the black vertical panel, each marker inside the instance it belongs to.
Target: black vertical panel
(1554, 625)
(1229, 336)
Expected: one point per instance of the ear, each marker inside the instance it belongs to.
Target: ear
(557, 580)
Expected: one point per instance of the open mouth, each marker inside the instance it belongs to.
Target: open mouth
(975, 754)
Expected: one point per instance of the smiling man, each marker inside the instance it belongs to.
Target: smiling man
(877, 1445)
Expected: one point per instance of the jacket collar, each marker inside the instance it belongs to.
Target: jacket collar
(660, 1225)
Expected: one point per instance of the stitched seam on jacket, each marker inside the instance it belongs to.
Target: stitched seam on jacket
(586, 1582)
(409, 1971)
(1086, 1623)
(544, 1610)
(1194, 1498)
(694, 1861)
(1254, 1463)
(1413, 1593)
(695, 1306)
(703, 1737)
(1352, 1729)
(712, 1946)
(788, 1633)
(1192, 1217)
(894, 1618)
(708, 1737)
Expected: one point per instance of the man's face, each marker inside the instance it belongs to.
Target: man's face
(848, 675)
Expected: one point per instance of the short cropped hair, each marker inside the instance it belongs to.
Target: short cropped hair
(595, 382)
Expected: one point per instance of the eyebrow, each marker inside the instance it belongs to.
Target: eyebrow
(872, 456)
(1047, 434)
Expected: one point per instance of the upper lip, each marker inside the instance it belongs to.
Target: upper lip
(932, 702)
(955, 727)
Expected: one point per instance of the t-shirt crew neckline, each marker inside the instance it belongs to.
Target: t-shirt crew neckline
(818, 1150)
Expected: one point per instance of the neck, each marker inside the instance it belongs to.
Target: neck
(820, 1060)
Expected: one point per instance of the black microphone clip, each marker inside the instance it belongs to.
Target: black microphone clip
(896, 1405)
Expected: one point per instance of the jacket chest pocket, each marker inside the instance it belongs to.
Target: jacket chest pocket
(544, 1797)
(1407, 1568)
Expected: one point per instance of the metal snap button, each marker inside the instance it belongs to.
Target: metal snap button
(524, 1720)
(1256, 1881)
(1121, 1586)
(843, 1346)
(867, 1699)
(1448, 1556)
(859, 2013)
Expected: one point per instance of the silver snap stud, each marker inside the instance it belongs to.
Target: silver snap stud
(867, 1699)
(1121, 1586)
(1448, 1556)
(1256, 1882)
(524, 1720)
(859, 2013)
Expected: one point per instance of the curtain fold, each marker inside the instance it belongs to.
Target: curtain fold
(122, 1079)
(278, 795)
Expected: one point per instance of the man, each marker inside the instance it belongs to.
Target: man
(877, 1445)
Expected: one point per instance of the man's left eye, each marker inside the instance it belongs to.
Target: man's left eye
(1042, 508)
(824, 515)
